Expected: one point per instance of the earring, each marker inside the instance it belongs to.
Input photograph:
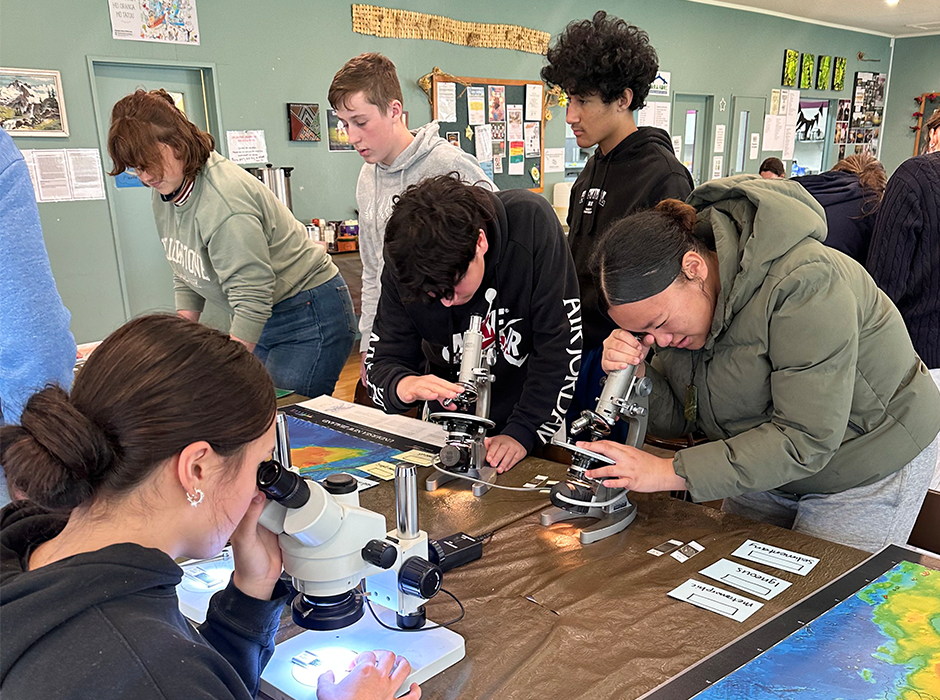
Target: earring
(195, 499)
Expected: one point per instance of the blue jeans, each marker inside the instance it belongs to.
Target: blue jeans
(308, 338)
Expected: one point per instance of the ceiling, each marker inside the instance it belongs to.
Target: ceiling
(907, 18)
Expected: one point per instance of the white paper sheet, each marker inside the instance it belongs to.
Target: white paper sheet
(52, 173)
(784, 559)
(793, 107)
(429, 433)
(755, 146)
(716, 600)
(476, 105)
(533, 143)
(660, 84)
(717, 164)
(516, 157)
(644, 115)
(774, 128)
(31, 167)
(677, 146)
(446, 96)
(661, 112)
(719, 138)
(134, 20)
(775, 102)
(554, 160)
(747, 579)
(514, 123)
(483, 143)
(789, 141)
(85, 175)
(247, 147)
(533, 102)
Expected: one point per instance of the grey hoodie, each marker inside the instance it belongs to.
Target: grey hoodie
(427, 156)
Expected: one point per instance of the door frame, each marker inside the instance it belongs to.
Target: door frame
(706, 121)
(735, 133)
(213, 108)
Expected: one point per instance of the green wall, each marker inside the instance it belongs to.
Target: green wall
(914, 71)
(268, 54)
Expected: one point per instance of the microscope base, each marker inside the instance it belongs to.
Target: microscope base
(607, 523)
(487, 474)
(428, 652)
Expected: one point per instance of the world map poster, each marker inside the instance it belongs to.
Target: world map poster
(882, 642)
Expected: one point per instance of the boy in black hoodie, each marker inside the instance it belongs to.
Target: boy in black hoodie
(606, 67)
(452, 250)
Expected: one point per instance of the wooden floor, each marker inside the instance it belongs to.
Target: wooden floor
(346, 385)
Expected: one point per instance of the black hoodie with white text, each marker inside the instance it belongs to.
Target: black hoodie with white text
(532, 325)
(638, 173)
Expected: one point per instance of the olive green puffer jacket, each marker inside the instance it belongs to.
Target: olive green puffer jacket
(808, 382)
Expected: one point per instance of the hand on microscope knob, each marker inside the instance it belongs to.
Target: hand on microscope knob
(374, 675)
(256, 553)
(503, 452)
(622, 349)
(427, 388)
(635, 469)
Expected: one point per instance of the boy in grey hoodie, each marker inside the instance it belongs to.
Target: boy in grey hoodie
(367, 98)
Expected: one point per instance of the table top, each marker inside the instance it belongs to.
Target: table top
(547, 617)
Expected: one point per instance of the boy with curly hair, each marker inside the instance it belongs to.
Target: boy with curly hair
(606, 66)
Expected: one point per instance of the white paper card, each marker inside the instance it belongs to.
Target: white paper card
(755, 146)
(483, 142)
(533, 102)
(661, 112)
(247, 147)
(747, 579)
(85, 174)
(660, 84)
(716, 600)
(533, 143)
(514, 125)
(677, 146)
(446, 95)
(784, 559)
(476, 105)
(717, 163)
(554, 160)
(52, 173)
(719, 138)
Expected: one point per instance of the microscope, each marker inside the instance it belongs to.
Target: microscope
(624, 396)
(341, 560)
(464, 451)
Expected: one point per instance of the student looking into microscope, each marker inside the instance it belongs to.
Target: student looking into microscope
(452, 250)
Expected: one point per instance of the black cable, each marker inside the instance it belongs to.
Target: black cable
(421, 629)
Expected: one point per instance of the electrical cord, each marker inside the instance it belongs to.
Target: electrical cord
(591, 504)
(421, 629)
(436, 461)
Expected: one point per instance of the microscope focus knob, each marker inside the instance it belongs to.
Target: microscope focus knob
(380, 553)
(338, 484)
(452, 456)
(421, 578)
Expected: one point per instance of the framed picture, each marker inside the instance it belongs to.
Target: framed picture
(838, 73)
(336, 130)
(303, 121)
(823, 72)
(806, 71)
(31, 102)
(791, 68)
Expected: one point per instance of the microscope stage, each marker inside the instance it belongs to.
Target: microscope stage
(429, 652)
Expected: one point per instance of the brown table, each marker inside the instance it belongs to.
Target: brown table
(601, 624)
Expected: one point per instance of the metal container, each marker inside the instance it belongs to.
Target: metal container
(277, 180)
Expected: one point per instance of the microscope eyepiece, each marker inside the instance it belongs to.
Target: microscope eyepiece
(282, 485)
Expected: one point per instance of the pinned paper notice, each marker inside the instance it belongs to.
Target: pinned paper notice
(717, 163)
(246, 147)
(677, 146)
(476, 105)
(747, 579)
(716, 600)
(755, 146)
(719, 138)
(784, 559)
(554, 160)
(446, 96)
(533, 102)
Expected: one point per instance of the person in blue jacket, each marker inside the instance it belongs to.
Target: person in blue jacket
(36, 346)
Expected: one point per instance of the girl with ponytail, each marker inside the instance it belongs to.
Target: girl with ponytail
(783, 352)
(152, 457)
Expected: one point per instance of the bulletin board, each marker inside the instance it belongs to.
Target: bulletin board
(929, 102)
(514, 92)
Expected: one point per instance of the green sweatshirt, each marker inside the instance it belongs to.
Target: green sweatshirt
(808, 381)
(235, 244)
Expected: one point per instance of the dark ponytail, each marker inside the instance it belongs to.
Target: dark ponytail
(154, 386)
(641, 254)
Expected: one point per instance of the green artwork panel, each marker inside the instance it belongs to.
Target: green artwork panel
(838, 73)
(791, 67)
(806, 71)
(823, 72)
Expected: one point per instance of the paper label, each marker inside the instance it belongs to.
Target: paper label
(784, 559)
(664, 548)
(716, 600)
(687, 551)
(747, 579)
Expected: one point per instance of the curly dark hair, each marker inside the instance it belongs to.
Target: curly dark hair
(603, 55)
(431, 236)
